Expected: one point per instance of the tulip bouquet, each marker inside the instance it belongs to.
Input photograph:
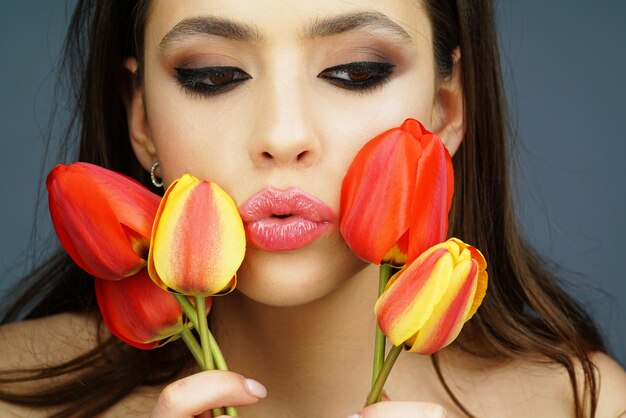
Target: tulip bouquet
(395, 201)
(156, 262)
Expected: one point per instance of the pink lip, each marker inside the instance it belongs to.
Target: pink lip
(285, 220)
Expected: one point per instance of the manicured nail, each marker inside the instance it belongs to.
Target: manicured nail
(255, 388)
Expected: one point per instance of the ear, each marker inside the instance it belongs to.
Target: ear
(138, 129)
(448, 120)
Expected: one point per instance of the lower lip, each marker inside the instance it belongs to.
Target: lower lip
(284, 234)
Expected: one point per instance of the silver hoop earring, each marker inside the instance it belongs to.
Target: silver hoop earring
(155, 180)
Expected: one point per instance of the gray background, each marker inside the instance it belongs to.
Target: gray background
(564, 67)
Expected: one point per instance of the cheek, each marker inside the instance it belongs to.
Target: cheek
(193, 134)
(355, 121)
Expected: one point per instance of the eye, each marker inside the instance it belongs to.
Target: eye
(210, 81)
(364, 75)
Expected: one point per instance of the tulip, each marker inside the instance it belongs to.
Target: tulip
(139, 312)
(102, 218)
(426, 303)
(198, 240)
(396, 195)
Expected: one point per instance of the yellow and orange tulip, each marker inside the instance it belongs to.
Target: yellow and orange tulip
(198, 239)
(396, 195)
(425, 305)
(102, 218)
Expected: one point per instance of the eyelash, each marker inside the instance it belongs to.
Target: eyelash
(195, 80)
(376, 75)
(372, 75)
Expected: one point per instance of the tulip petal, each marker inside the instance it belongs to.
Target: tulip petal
(448, 317)
(133, 204)
(89, 218)
(412, 293)
(431, 203)
(198, 240)
(137, 311)
(414, 128)
(482, 280)
(376, 194)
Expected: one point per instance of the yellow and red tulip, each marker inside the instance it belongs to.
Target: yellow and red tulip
(396, 195)
(139, 312)
(426, 303)
(198, 239)
(102, 218)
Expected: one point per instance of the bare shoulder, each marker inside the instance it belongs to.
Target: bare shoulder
(51, 341)
(612, 401)
(41, 343)
(46, 341)
(531, 387)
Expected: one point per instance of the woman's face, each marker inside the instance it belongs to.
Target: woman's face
(268, 94)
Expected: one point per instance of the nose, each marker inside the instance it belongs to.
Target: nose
(284, 134)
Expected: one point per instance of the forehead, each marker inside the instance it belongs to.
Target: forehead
(285, 20)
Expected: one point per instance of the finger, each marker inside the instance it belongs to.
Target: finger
(201, 392)
(403, 409)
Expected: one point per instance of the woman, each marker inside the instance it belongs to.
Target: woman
(264, 97)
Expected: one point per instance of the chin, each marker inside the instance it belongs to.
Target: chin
(298, 277)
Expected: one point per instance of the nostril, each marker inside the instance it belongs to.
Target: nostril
(267, 155)
(301, 155)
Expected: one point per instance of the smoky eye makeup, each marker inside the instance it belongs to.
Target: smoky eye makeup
(359, 75)
(210, 81)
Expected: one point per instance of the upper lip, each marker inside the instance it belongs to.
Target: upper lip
(272, 202)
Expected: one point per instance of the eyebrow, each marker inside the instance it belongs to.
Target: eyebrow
(319, 28)
(210, 25)
(336, 25)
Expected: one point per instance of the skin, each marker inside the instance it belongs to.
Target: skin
(287, 127)
(301, 322)
(250, 137)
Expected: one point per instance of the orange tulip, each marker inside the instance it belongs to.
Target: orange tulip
(426, 303)
(198, 240)
(139, 312)
(102, 218)
(396, 195)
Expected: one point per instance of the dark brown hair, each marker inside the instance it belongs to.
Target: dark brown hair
(525, 315)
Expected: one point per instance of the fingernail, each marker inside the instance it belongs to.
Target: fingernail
(255, 388)
(355, 416)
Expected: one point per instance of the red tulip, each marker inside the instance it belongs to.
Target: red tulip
(198, 240)
(426, 303)
(102, 218)
(396, 195)
(139, 312)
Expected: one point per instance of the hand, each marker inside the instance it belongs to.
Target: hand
(387, 409)
(196, 395)
(403, 409)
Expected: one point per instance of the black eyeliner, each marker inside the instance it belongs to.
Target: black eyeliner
(193, 80)
(380, 73)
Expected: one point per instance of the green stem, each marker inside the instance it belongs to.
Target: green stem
(203, 330)
(377, 388)
(220, 364)
(231, 411)
(192, 344)
(188, 308)
(379, 343)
